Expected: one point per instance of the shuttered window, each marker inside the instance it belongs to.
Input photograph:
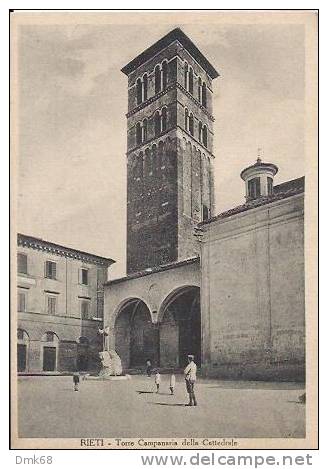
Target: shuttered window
(50, 269)
(22, 263)
(84, 280)
(85, 310)
(21, 302)
(51, 305)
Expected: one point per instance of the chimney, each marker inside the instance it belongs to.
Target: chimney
(259, 179)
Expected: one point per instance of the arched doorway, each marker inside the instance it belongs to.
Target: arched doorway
(180, 327)
(83, 354)
(136, 337)
(49, 350)
(22, 350)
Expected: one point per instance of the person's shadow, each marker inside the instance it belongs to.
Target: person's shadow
(165, 403)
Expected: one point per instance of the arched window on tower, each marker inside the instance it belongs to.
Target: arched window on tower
(164, 119)
(186, 68)
(144, 130)
(145, 87)
(186, 119)
(157, 79)
(200, 127)
(204, 95)
(191, 81)
(191, 124)
(164, 75)
(139, 91)
(138, 133)
(199, 89)
(205, 136)
(157, 123)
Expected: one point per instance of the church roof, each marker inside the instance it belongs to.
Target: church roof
(280, 191)
(153, 270)
(175, 35)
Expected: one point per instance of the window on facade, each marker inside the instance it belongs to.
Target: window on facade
(157, 123)
(186, 68)
(157, 79)
(205, 213)
(205, 136)
(84, 277)
(138, 133)
(22, 263)
(191, 81)
(139, 91)
(85, 310)
(50, 270)
(164, 75)
(186, 119)
(21, 302)
(145, 87)
(144, 130)
(191, 124)
(204, 95)
(270, 186)
(51, 305)
(200, 127)
(164, 119)
(254, 188)
(199, 89)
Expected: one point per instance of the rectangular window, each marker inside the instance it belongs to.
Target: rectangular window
(254, 188)
(21, 302)
(270, 186)
(205, 213)
(85, 310)
(84, 276)
(51, 305)
(22, 263)
(50, 270)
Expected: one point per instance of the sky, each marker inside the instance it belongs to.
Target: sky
(72, 128)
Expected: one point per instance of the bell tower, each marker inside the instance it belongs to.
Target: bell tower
(170, 185)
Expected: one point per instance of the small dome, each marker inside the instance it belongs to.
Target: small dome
(259, 179)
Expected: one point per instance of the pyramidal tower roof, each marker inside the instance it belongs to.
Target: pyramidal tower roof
(175, 35)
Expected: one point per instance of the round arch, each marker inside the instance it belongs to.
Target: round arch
(23, 340)
(180, 327)
(136, 337)
(49, 351)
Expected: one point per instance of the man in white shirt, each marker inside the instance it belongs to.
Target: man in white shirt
(190, 377)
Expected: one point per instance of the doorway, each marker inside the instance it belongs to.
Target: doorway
(49, 358)
(21, 357)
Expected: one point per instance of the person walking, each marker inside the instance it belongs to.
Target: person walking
(157, 380)
(190, 378)
(172, 383)
(148, 368)
(76, 381)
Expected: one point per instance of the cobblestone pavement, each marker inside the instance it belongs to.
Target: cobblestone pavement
(48, 407)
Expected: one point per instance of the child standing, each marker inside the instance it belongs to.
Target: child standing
(76, 380)
(157, 380)
(172, 384)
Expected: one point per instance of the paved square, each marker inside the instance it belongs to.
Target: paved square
(48, 407)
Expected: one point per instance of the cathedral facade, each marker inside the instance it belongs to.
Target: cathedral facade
(211, 285)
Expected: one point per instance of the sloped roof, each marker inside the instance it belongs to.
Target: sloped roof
(175, 34)
(280, 191)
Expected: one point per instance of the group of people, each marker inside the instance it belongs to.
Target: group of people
(190, 373)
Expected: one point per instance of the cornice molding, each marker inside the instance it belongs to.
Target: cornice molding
(70, 253)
